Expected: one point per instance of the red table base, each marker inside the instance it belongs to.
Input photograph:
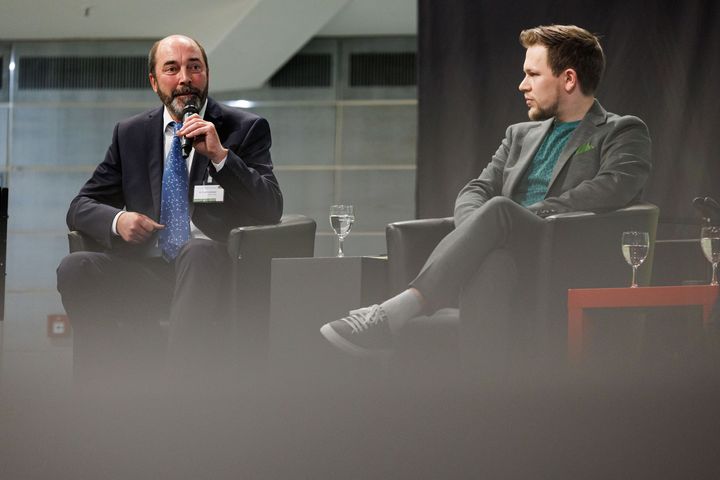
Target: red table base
(581, 299)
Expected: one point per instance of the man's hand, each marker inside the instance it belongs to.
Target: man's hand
(135, 227)
(205, 138)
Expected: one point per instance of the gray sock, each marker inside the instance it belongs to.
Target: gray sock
(401, 308)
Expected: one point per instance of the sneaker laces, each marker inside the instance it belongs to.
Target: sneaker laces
(359, 320)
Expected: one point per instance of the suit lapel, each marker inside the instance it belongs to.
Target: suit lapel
(596, 116)
(155, 157)
(532, 142)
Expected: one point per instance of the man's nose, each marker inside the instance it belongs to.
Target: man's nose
(185, 76)
(523, 85)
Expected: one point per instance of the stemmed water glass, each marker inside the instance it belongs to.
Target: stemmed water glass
(342, 218)
(710, 243)
(635, 246)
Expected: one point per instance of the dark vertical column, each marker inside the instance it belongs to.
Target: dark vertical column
(3, 247)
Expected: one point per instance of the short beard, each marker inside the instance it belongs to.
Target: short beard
(540, 114)
(176, 105)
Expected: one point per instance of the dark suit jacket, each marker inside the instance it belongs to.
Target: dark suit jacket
(130, 177)
(603, 167)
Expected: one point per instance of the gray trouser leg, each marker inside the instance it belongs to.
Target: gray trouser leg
(497, 224)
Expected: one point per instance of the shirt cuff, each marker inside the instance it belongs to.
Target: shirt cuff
(114, 224)
(220, 164)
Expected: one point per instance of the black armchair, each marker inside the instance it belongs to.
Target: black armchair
(251, 250)
(522, 304)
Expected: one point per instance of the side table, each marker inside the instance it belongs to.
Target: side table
(586, 298)
(309, 292)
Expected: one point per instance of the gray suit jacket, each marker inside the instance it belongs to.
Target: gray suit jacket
(603, 167)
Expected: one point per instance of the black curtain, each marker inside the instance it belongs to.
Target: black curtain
(663, 66)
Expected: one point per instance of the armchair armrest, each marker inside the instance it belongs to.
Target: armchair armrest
(409, 244)
(569, 215)
(579, 240)
(293, 236)
(643, 214)
(79, 242)
(252, 249)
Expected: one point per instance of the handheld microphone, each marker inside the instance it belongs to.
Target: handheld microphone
(187, 143)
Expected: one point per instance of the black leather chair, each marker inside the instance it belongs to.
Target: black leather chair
(521, 306)
(3, 247)
(251, 250)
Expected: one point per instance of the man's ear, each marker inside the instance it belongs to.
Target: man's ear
(153, 82)
(570, 80)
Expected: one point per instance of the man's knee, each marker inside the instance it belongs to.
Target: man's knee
(199, 250)
(202, 258)
(200, 265)
(501, 203)
(494, 210)
(502, 200)
(73, 270)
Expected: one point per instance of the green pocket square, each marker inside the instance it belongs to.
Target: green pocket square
(584, 148)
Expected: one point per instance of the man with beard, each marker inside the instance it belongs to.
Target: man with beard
(572, 156)
(163, 219)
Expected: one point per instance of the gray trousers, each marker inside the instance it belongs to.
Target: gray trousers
(499, 223)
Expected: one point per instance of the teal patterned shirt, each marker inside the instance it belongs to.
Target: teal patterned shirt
(534, 185)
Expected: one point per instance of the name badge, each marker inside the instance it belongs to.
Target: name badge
(208, 194)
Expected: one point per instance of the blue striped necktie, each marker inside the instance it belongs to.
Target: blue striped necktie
(174, 206)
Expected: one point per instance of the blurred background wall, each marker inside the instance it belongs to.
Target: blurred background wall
(342, 108)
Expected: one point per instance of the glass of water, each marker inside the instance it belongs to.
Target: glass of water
(710, 243)
(635, 246)
(342, 218)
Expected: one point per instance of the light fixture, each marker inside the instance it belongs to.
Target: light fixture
(240, 103)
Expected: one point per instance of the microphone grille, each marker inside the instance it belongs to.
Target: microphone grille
(190, 108)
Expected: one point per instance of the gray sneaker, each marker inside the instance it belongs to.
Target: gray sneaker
(365, 332)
